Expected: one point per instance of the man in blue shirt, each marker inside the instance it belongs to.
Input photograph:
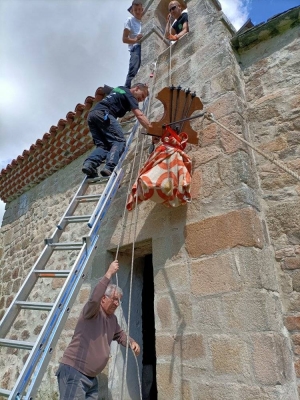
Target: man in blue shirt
(106, 131)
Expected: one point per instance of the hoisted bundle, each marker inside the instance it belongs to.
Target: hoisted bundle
(166, 175)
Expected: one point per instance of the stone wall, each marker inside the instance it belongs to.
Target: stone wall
(274, 105)
(225, 266)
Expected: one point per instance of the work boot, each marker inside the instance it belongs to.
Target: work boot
(89, 170)
(105, 172)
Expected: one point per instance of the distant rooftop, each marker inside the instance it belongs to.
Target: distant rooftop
(249, 35)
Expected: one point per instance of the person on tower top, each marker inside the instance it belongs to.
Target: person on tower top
(132, 36)
(180, 26)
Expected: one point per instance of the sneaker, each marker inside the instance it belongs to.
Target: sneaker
(105, 172)
(89, 170)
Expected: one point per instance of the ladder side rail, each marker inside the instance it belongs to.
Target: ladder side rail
(115, 176)
(43, 348)
(60, 305)
(73, 204)
(13, 310)
(45, 356)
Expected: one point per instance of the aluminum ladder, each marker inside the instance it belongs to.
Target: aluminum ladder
(36, 364)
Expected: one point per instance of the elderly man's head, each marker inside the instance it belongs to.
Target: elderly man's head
(112, 298)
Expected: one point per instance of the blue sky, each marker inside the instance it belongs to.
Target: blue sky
(50, 47)
(238, 11)
(262, 10)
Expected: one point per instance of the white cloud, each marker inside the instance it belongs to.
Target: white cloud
(237, 11)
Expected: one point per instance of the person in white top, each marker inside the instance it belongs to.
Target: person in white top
(132, 36)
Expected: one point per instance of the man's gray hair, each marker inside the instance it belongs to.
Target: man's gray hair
(111, 288)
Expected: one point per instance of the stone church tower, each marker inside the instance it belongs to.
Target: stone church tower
(216, 281)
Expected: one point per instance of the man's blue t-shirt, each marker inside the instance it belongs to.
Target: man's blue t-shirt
(118, 102)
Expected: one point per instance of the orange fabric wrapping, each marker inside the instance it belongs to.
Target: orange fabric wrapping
(166, 175)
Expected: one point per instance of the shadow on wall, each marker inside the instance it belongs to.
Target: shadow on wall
(169, 241)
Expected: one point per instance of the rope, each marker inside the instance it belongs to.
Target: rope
(123, 226)
(170, 66)
(130, 288)
(170, 59)
(131, 269)
(270, 158)
(132, 264)
(135, 357)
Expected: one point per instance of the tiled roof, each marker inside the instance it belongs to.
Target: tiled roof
(63, 144)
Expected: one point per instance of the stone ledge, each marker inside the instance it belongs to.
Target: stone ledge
(236, 228)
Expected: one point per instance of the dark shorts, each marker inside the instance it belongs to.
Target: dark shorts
(73, 385)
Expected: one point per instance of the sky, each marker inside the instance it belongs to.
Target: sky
(55, 53)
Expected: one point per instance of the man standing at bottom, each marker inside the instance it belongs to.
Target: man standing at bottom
(107, 133)
(88, 352)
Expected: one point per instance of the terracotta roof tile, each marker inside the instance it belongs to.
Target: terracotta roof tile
(89, 102)
(57, 148)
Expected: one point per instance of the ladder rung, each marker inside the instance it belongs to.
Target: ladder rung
(77, 218)
(98, 181)
(31, 305)
(88, 198)
(66, 246)
(42, 273)
(5, 392)
(17, 344)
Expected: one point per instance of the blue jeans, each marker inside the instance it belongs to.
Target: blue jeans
(108, 139)
(73, 385)
(134, 64)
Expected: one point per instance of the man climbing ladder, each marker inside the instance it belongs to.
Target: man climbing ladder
(107, 133)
